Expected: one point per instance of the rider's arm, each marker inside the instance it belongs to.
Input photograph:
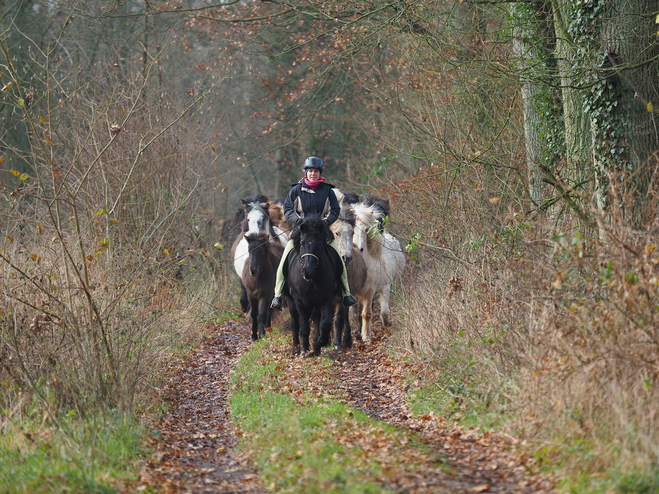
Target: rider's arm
(335, 208)
(289, 206)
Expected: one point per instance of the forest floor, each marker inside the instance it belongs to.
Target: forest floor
(196, 442)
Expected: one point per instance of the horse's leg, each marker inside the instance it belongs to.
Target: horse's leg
(383, 298)
(305, 329)
(367, 315)
(244, 299)
(326, 318)
(264, 309)
(295, 326)
(357, 310)
(323, 328)
(254, 313)
(340, 324)
(317, 333)
(347, 334)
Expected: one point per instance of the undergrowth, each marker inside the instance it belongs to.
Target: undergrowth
(74, 456)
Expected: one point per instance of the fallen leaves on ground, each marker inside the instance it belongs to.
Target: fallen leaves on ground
(197, 451)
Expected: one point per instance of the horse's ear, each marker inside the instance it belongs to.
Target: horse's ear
(326, 209)
(265, 206)
(244, 202)
(298, 207)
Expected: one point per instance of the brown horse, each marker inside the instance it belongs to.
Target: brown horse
(258, 278)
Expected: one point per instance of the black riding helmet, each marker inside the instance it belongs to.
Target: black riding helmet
(313, 162)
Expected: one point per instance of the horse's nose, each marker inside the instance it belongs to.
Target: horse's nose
(361, 249)
(347, 260)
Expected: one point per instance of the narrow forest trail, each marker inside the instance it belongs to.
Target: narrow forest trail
(197, 451)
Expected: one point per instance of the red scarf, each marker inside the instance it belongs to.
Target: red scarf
(315, 184)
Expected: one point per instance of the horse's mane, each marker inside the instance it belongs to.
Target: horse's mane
(380, 209)
(314, 221)
(347, 213)
(350, 198)
(364, 213)
(369, 216)
(378, 204)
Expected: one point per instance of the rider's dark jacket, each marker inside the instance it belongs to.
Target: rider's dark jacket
(302, 197)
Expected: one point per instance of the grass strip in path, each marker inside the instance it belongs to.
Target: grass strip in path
(305, 439)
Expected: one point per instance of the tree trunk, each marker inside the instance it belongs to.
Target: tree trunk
(578, 138)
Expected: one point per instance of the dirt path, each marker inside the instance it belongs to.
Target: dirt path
(197, 451)
(375, 385)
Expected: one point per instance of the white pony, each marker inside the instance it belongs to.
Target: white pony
(384, 257)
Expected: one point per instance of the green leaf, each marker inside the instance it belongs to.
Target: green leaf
(23, 177)
(101, 211)
(219, 246)
(21, 102)
(631, 278)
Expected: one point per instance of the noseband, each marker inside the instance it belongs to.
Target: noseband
(310, 255)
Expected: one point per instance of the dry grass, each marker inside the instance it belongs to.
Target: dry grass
(556, 331)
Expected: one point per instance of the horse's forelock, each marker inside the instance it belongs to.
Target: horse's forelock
(347, 213)
(309, 224)
(364, 213)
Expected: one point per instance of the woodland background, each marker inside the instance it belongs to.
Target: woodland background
(516, 140)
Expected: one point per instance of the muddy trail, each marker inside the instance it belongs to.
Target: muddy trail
(196, 442)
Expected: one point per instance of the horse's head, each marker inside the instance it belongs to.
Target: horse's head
(277, 218)
(257, 214)
(257, 245)
(364, 219)
(344, 231)
(310, 240)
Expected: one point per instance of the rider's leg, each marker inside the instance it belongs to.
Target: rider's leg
(279, 283)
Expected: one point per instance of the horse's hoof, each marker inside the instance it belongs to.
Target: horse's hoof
(254, 338)
(309, 354)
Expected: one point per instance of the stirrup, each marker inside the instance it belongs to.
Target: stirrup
(276, 303)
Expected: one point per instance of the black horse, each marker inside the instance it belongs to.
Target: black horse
(258, 279)
(313, 285)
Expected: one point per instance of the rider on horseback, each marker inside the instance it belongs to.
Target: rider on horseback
(310, 195)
